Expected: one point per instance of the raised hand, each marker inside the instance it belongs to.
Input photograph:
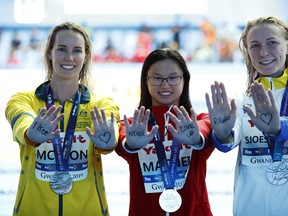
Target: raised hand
(137, 134)
(43, 127)
(103, 135)
(267, 118)
(222, 114)
(186, 130)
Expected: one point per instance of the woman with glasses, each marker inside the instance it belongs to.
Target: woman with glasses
(166, 144)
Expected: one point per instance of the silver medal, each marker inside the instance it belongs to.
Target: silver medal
(61, 182)
(170, 200)
(277, 173)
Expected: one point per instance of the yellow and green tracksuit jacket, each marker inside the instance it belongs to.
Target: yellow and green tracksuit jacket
(34, 196)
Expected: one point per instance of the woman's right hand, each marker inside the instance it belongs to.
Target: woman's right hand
(137, 134)
(222, 114)
(43, 127)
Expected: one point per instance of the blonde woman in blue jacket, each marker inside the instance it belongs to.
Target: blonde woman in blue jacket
(258, 125)
(62, 129)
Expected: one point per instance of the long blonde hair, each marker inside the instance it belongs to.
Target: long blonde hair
(252, 73)
(85, 73)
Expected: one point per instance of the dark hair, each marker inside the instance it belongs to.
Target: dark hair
(244, 46)
(85, 71)
(160, 55)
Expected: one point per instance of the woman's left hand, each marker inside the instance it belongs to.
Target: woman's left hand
(267, 118)
(186, 131)
(103, 136)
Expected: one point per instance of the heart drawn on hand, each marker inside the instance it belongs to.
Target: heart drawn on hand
(266, 117)
(105, 137)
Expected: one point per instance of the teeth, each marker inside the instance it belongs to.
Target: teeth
(165, 93)
(68, 67)
(266, 62)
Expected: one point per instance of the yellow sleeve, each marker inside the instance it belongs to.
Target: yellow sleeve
(20, 112)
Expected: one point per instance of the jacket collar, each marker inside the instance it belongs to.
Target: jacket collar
(274, 83)
(85, 94)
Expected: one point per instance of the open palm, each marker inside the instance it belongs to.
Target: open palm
(222, 114)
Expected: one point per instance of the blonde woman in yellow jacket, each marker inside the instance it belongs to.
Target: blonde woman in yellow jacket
(62, 130)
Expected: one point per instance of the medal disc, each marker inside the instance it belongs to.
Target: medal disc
(61, 182)
(170, 200)
(277, 173)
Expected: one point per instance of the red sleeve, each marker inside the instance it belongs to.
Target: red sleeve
(205, 128)
(122, 138)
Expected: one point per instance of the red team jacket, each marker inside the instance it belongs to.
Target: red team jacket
(193, 191)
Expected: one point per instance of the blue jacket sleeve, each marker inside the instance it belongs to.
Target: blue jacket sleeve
(223, 147)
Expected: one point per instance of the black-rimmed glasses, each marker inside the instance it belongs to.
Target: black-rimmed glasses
(157, 80)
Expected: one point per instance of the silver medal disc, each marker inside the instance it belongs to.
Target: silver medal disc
(277, 173)
(170, 200)
(61, 182)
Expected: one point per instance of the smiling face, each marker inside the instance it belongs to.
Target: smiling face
(67, 55)
(267, 49)
(165, 94)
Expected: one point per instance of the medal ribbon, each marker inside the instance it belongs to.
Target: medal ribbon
(168, 172)
(62, 153)
(276, 146)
